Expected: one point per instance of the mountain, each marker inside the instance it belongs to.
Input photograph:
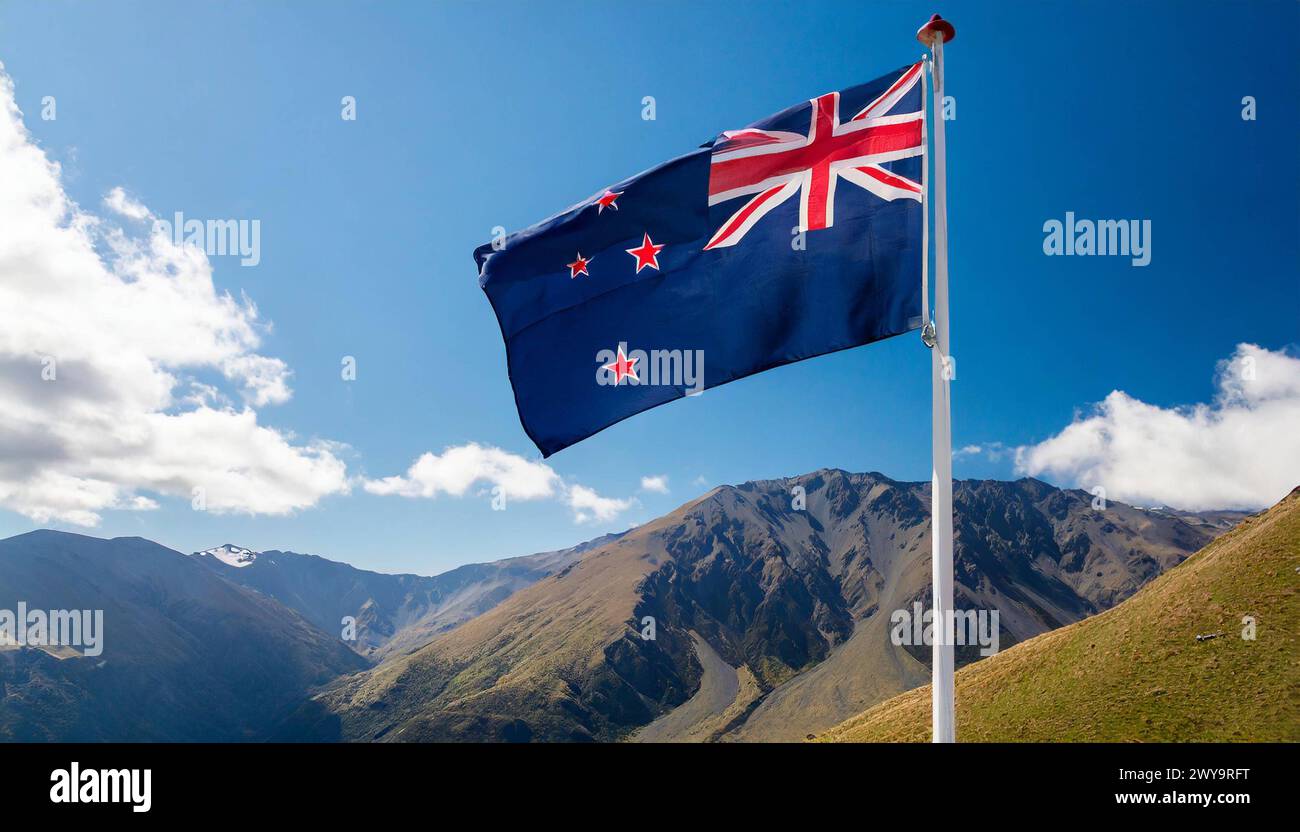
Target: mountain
(1143, 671)
(771, 603)
(186, 656)
(393, 613)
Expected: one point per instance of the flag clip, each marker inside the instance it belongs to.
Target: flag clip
(927, 335)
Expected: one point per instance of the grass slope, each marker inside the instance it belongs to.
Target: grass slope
(1137, 672)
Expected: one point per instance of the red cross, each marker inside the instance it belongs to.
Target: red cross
(828, 144)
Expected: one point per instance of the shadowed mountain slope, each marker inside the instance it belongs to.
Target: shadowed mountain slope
(186, 655)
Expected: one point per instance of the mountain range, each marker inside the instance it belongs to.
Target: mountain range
(770, 603)
(755, 612)
(392, 613)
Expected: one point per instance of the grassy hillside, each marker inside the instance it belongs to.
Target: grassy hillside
(1137, 672)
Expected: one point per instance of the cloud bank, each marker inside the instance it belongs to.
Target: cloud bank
(115, 354)
(1240, 451)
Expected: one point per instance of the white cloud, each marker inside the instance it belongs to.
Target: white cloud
(587, 505)
(104, 336)
(118, 202)
(658, 484)
(265, 380)
(1241, 451)
(462, 467)
(458, 468)
(992, 451)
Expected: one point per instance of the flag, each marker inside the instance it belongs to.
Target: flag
(796, 236)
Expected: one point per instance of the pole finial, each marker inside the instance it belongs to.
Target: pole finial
(934, 28)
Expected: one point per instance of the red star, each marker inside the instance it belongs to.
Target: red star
(579, 266)
(623, 368)
(646, 255)
(607, 201)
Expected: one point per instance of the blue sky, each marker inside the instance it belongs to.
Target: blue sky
(471, 116)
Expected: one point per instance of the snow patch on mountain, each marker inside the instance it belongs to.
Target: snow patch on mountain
(231, 555)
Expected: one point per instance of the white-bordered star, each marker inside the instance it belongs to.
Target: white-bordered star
(608, 200)
(647, 254)
(579, 266)
(623, 367)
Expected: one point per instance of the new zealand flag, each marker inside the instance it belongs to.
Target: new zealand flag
(794, 237)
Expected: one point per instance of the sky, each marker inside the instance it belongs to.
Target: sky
(1176, 382)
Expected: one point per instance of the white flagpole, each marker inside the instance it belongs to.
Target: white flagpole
(943, 720)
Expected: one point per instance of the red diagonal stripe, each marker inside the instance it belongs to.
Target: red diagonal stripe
(902, 79)
(890, 179)
(744, 213)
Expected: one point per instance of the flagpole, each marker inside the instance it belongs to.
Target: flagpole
(935, 34)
